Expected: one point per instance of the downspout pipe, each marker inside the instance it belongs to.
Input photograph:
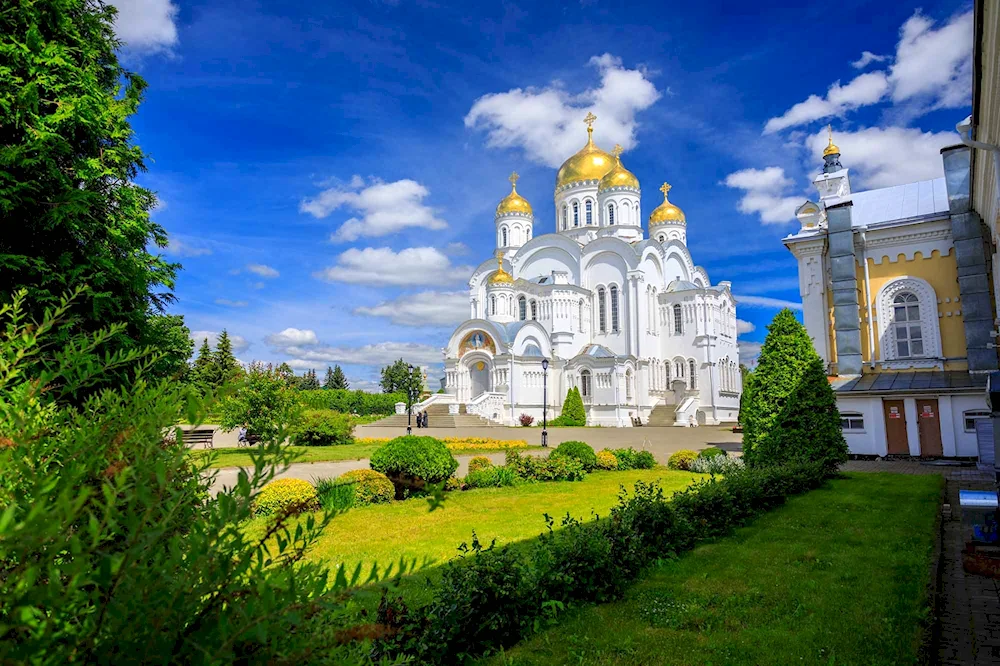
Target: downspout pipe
(869, 305)
(967, 133)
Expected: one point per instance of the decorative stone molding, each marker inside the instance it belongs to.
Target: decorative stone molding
(929, 330)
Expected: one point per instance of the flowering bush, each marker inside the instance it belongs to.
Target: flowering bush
(526, 420)
(606, 460)
(482, 443)
(286, 496)
(370, 487)
(682, 460)
(478, 463)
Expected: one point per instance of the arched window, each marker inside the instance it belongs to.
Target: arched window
(611, 214)
(602, 312)
(585, 387)
(667, 369)
(614, 309)
(906, 320)
(522, 308)
(493, 305)
(663, 238)
(678, 320)
(628, 385)
(504, 232)
(693, 373)
(565, 220)
(679, 369)
(589, 207)
(576, 214)
(534, 309)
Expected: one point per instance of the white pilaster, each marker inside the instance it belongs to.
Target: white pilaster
(912, 426)
(811, 255)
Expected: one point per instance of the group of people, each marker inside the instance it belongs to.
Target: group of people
(422, 420)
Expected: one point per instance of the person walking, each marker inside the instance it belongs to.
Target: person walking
(426, 416)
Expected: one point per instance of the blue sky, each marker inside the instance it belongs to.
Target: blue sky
(328, 172)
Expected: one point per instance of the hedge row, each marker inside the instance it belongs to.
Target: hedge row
(492, 600)
(352, 402)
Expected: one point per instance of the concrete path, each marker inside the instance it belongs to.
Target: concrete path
(227, 476)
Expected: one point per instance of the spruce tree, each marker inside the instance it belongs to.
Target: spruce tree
(226, 365)
(573, 411)
(328, 379)
(308, 381)
(202, 370)
(339, 380)
(790, 412)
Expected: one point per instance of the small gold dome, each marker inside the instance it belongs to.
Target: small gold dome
(589, 163)
(666, 211)
(619, 176)
(831, 147)
(513, 202)
(501, 276)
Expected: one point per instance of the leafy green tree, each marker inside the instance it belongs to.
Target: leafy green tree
(789, 410)
(398, 378)
(172, 339)
(105, 521)
(335, 379)
(285, 371)
(71, 213)
(262, 401)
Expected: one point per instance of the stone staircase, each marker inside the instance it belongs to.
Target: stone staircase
(662, 416)
(438, 417)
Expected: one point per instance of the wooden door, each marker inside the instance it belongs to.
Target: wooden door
(895, 428)
(929, 421)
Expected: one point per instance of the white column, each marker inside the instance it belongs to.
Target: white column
(811, 256)
(948, 423)
(912, 426)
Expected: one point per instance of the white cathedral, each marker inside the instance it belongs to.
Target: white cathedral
(629, 321)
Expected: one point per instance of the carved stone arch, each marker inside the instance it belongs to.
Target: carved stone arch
(928, 319)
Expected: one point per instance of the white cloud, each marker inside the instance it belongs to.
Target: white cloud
(749, 351)
(230, 304)
(867, 58)
(932, 69)
(263, 270)
(764, 194)
(890, 156)
(178, 248)
(765, 302)
(863, 90)
(547, 123)
(382, 208)
(146, 26)
(414, 266)
(292, 337)
(427, 308)
(379, 354)
(239, 343)
(744, 327)
(457, 249)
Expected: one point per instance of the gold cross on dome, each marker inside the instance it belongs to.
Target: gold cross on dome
(665, 188)
(513, 178)
(617, 150)
(829, 131)
(590, 120)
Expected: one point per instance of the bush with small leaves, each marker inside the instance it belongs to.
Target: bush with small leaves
(411, 462)
(579, 451)
(631, 459)
(559, 468)
(492, 477)
(286, 496)
(711, 452)
(370, 487)
(606, 460)
(681, 460)
(717, 465)
(479, 462)
(323, 427)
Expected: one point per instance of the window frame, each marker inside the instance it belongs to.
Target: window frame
(588, 211)
(973, 415)
(611, 215)
(576, 214)
(615, 322)
(522, 308)
(851, 419)
(602, 311)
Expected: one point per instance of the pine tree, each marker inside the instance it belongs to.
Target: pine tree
(790, 412)
(328, 379)
(338, 379)
(202, 370)
(226, 365)
(308, 381)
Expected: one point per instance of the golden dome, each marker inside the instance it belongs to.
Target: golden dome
(501, 276)
(666, 211)
(619, 176)
(513, 202)
(831, 147)
(589, 163)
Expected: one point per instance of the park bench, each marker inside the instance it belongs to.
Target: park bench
(202, 436)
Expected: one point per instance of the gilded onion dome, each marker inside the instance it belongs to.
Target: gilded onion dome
(501, 276)
(589, 163)
(619, 176)
(666, 212)
(513, 202)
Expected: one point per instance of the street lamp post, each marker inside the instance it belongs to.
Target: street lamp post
(545, 401)
(409, 399)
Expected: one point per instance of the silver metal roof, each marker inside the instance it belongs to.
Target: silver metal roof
(926, 198)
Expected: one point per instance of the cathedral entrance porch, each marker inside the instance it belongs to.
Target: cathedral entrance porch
(479, 379)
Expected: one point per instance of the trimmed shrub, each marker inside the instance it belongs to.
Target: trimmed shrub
(286, 496)
(578, 450)
(631, 459)
(545, 469)
(479, 462)
(526, 420)
(492, 477)
(335, 494)
(717, 465)
(682, 459)
(415, 458)
(606, 460)
(790, 413)
(344, 401)
(370, 487)
(322, 427)
(573, 412)
(453, 483)
(711, 452)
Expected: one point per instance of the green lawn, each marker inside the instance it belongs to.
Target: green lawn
(241, 457)
(836, 576)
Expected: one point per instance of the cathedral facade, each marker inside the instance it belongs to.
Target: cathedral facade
(630, 321)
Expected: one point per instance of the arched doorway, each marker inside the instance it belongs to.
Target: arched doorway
(479, 375)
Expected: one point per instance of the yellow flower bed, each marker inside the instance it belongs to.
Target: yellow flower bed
(466, 443)
(372, 440)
